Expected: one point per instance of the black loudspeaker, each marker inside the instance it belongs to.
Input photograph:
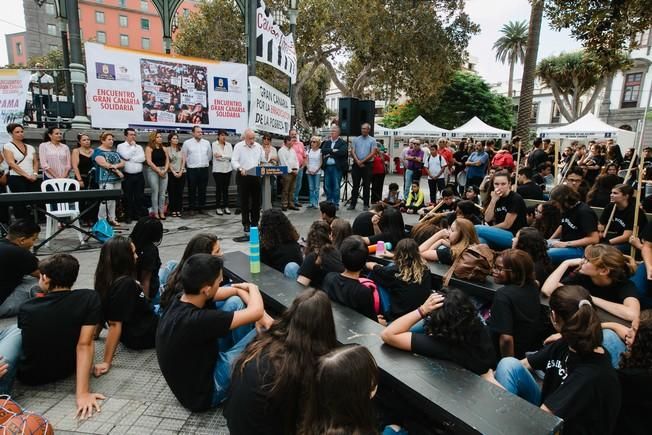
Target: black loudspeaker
(348, 123)
(365, 114)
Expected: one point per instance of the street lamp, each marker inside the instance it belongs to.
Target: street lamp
(166, 9)
(293, 11)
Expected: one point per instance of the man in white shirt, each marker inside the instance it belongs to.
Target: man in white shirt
(436, 165)
(287, 157)
(133, 184)
(197, 152)
(248, 154)
(42, 87)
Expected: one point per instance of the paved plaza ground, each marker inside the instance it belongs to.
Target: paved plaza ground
(138, 398)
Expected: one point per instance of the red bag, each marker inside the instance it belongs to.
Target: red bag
(503, 160)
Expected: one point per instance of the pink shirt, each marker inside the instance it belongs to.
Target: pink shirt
(300, 150)
(55, 159)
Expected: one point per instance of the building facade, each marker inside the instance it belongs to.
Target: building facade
(16, 49)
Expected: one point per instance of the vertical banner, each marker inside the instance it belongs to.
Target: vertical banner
(13, 93)
(272, 46)
(270, 109)
(132, 88)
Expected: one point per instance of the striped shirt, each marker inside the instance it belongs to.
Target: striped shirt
(55, 159)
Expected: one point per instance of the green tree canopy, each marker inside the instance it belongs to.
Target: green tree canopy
(511, 47)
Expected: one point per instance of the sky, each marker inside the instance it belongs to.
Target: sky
(489, 14)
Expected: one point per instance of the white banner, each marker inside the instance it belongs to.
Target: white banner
(13, 93)
(131, 88)
(270, 108)
(272, 46)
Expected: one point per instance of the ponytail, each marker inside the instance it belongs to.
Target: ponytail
(578, 321)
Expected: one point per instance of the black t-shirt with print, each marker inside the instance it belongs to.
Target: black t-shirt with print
(623, 219)
(530, 190)
(516, 311)
(582, 389)
(578, 222)
(50, 327)
(512, 203)
(127, 304)
(349, 292)
(617, 292)
(316, 272)
(15, 263)
(187, 350)
(405, 297)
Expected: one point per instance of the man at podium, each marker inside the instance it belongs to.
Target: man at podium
(248, 154)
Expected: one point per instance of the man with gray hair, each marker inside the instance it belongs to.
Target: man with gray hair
(364, 148)
(248, 154)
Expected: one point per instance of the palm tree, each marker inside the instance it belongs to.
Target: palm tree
(511, 47)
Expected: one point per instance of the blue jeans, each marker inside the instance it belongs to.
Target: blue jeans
(230, 305)
(409, 174)
(11, 342)
(332, 181)
(496, 238)
(21, 294)
(516, 379)
(612, 343)
(291, 270)
(224, 367)
(313, 182)
(640, 280)
(557, 255)
(298, 184)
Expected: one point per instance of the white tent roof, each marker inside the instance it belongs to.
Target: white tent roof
(477, 129)
(379, 130)
(420, 127)
(587, 127)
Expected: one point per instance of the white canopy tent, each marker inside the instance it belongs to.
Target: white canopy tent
(380, 131)
(477, 129)
(422, 128)
(590, 127)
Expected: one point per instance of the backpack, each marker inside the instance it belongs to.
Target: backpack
(374, 288)
(472, 264)
(504, 160)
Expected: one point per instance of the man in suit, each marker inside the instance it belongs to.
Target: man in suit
(335, 152)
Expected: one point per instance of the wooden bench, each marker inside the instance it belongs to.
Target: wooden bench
(445, 397)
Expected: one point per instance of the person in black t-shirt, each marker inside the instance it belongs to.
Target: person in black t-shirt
(345, 287)
(530, 240)
(18, 266)
(445, 245)
(407, 280)
(271, 378)
(453, 331)
(516, 317)
(60, 323)
(537, 155)
(580, 385)
(278, 243)
(130, 317)
(543, 172)
(311, 271)
(622, 224)
(388, 227)
(506, 212)
(527, 188)
(578, 229)
(190, 344)
(604, 272)
(146, 235)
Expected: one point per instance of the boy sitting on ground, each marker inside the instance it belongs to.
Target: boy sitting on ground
(393, 198)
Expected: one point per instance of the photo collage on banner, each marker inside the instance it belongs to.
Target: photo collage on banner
(14, 84)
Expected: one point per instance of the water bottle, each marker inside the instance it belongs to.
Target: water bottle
(380, 248)
(254, 250)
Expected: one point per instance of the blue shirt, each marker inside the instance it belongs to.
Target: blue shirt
(103, 175)
(477, 171)
(363, 146)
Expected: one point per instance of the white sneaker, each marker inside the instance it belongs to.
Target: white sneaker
(218, 212)
(226, 210)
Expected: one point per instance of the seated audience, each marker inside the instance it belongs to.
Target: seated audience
(19, 267)
(340, 230)
(599, 195)
(388, 227)
(191, 339)
(527, 188)
(146, 236)
(415, 200)
(546, 219)
(575, 180)
(472, 193)
(543, 177)
(328, 211)
(453, 331)
(467, 210)
(406, 281)
(578, 229)
(131, 319)
(621, 225)
(505, 212)
(278, 243)
(57, 331)
(447, 204)
(530, 240)
(579, 383)
(362, 224)
(318, 261)
(275, 372)
(393, 198)
(516, 316)
(604, 272)
(446, 245)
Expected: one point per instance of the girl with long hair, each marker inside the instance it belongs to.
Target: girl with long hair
(446, 245)
(130, 317)
(579, 383)
(54, 155)
(388, 227)
(453, 331)
(599, 194)
(622, 224)
(275, 372)
(156, 171)
(278, 243)
(177, 177)
(146, 236)
(340, 230)
(516, 317)
(530, 240)
(604, 272)
(313, 269)
(406, 280)
(546, 218)
(22, 160)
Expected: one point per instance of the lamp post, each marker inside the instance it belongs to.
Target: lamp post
(166, 9)
(293, 11)
(77, 68)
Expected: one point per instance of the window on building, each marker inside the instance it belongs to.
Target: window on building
(19, 48)
(101, 37)
(556, 114)
(53, 47)
(144, 23)
(122, 3)
(632, 89)
(535, 113)
(123, 20)
(144, 43)
(124, 40)
(143, 5)
(99, 17)
(49, 9)
(186, 12)
(52, 29)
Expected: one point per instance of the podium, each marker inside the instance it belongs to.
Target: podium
(265, 172)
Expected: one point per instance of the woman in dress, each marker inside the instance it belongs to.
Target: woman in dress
(177, 177)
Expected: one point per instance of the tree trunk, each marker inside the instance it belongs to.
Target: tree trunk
(529, 70)
(510, 86)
